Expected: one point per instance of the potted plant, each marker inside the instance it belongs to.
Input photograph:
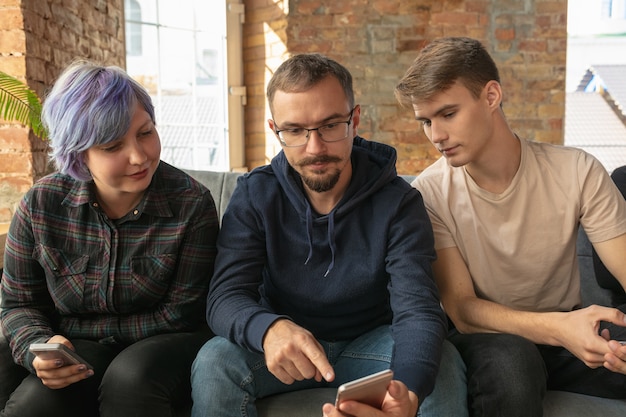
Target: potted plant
(21, 104)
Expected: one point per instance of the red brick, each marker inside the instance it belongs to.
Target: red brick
(386, 7)
(14, 162)
(14, 137)
(12, 41)
(503, 34)
(11, 19)
(455, 18)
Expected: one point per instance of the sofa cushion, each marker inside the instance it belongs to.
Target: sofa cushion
(556, 404)
(221, 184)
(569, 404)
(307, 403)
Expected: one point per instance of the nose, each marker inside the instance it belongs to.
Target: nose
(137, 155)
(435, 133)
(315, 144)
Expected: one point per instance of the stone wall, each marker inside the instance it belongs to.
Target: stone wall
(377, 40)
(38, 38)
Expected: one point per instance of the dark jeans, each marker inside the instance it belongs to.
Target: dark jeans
(149, 378)
(10, 374)
(508, 375)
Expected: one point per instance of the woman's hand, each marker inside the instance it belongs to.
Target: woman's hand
(54, 374)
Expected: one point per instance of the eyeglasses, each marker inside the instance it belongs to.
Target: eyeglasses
(299, 136)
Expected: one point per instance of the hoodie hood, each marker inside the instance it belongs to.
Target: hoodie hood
(373, 167)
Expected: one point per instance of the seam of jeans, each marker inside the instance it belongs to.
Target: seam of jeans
(244, 405)
(378, 357)
(246, 398)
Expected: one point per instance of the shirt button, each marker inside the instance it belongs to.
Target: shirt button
(135, 212)
(95, 204)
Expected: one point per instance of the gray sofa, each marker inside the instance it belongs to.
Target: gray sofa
(308, 403)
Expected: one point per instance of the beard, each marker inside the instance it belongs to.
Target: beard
(320, 181)
(320, 184)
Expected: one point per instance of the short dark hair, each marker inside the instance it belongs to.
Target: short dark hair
(441, 63)
(303, 71)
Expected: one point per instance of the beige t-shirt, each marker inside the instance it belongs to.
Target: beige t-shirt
(520, 246)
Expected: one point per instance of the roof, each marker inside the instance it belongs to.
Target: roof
(607, 78)
(591, 124)
(193, 131)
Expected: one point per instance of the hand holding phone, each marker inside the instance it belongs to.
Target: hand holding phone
(48, 351)
(370, 390)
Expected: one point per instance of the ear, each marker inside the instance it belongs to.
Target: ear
(356, 118)
(270, 123)
(493, 91)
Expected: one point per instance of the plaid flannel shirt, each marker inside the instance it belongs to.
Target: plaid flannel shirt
(70, 270)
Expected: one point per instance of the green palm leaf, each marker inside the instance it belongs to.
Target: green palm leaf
(19, 103)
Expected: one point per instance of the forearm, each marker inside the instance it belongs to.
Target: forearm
(611, 252)
(474, 315)
(417, 352)
(130, 328)
(23, 327)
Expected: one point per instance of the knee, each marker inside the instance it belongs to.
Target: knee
(219, 359)
(215, 352)
(507, 364)
(126, 374)
(511, 355)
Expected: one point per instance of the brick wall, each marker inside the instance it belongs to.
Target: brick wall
(377, 40)
(38, 38)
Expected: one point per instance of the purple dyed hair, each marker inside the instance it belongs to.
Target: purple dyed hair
(89, 105)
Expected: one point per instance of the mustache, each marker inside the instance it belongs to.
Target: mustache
(318, 159)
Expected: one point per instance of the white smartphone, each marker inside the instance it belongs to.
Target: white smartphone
(369, 390)
(49, 351)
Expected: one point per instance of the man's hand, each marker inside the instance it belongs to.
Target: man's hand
(293, 354)
(580, 336)
(616, 359)
(54, 374)
(399, 402)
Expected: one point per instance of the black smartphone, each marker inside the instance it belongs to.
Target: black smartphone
(369, 390)
(49, 351)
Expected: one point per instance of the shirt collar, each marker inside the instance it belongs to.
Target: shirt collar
(154, 201)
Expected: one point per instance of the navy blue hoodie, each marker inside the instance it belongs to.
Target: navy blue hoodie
(367, 263)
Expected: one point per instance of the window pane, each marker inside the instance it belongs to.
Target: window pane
(182, 63)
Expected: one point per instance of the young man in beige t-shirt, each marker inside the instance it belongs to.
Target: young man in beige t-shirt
(505, 212)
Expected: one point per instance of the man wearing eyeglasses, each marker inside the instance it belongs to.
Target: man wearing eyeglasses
(323, 273)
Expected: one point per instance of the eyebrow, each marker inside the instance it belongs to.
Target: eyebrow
(438, 112)
(148, 123)
(319, 123)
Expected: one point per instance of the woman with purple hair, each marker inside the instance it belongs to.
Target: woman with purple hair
(110, 256)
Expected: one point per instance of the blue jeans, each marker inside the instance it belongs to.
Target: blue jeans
(227, 379)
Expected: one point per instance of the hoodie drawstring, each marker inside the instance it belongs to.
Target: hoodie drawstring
(309, 232)
(331, 240)
(331, 237)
